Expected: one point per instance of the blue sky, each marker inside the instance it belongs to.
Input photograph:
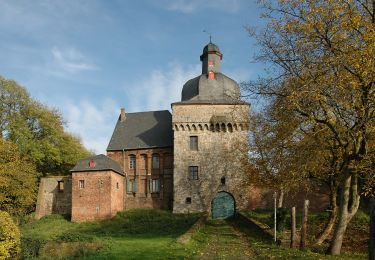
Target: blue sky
(88, 58)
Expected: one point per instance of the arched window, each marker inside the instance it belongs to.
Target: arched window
(217, 127)
(155, 161)
(230, 129)
(143, 161)
(132, 161)
(223, 128)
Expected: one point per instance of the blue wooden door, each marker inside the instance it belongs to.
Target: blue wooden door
(223, 206)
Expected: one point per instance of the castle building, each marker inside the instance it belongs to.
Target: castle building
(187, 161)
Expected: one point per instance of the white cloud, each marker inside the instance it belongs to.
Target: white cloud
(160, 88)
(93, 122)
(190, 6)
(71, 60)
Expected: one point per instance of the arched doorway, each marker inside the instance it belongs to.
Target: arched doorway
(223, 206)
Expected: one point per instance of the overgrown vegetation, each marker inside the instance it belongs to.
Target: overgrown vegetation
(142, 233)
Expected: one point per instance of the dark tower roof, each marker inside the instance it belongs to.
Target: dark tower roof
(211, 86)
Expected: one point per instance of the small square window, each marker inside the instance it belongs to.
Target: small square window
(60, 186)
(81, 184)
(188, 200)
(193, 172)
(194, 143)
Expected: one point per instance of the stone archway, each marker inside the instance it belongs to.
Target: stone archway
(223, 205)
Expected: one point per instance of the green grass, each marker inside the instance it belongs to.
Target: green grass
(133, 234)
(151, 234)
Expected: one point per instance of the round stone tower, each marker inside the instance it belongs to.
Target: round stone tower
(210, 142)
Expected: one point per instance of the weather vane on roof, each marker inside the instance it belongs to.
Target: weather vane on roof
(209, 34)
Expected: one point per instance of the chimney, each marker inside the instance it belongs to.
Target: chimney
(122, 115)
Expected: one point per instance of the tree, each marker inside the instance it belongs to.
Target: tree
(18, 181)
(9, 237)
(37, 130)
(322, 59)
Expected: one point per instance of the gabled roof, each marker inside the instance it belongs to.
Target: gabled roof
(142, 130)
(100, 163)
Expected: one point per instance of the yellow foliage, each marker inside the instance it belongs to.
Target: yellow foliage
(9, 237)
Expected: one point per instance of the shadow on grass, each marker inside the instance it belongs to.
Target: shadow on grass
(253, 231)
(137, 223)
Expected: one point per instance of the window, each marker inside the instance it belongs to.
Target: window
(193, 172)
(131, 186)
(81, 184)
(117, 185)
(143, 161)
(60, 186)
(188, 200)
(154, 185)
(194, 143)
(155, 161)
(132, 162)
(222, 180)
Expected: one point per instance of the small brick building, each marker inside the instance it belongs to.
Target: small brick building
(97, 189)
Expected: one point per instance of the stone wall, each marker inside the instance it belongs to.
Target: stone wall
(222, 132)
(54, 196)
(143, 173)
(101, 197)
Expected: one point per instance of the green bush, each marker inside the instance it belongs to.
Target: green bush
(9, 237)
(75, 237)
(31, 247)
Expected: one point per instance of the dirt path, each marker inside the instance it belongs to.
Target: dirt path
(221, 240)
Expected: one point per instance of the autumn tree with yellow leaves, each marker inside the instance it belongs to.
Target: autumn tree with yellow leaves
(322, 71)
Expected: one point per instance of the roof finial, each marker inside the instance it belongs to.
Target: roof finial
(209, 34)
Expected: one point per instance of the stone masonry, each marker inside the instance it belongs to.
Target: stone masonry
(222, 131)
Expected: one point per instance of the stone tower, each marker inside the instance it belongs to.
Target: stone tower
(210, 127)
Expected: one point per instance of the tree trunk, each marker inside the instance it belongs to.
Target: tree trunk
(281, 199)
(346, 212)
(332, 218)
(304, 224)
(293, 235)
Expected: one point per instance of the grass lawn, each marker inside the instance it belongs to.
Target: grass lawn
(133, 234)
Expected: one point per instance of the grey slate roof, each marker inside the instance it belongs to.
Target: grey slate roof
(142, 130)
(101, 163)
(222, 89)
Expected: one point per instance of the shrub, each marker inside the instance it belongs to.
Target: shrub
(9, 237)
(30, 247)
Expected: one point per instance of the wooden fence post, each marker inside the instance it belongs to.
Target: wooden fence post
(293, 229)
(304, 224)
(371, 246)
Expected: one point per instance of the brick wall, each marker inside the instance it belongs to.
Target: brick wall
(99, 198)
(142, 173)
